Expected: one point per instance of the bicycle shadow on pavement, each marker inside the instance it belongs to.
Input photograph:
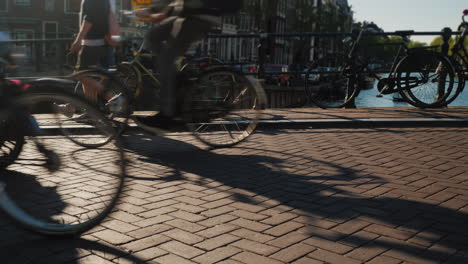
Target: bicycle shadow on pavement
(55, 251)
(317, 190)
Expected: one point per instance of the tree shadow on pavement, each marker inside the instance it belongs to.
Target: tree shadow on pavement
(317, 190)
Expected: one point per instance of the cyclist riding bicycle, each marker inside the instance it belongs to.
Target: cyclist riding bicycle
(181, 23)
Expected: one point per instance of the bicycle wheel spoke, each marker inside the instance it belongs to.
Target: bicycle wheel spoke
(233, 100)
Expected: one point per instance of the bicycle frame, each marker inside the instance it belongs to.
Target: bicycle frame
(352, 58)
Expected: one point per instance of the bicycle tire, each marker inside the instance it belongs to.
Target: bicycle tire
(223, 107)
(326, 84)
(131, 77)
(57, 188)
(460, 63)
(112, 88)
(418, 72)
(11, 144)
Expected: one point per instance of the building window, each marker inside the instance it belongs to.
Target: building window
(3, 5)
(49, 5)
(23, 2)
(72, 6)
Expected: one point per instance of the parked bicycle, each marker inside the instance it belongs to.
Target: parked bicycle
(49, 184)
(459, 59)
(424, 78)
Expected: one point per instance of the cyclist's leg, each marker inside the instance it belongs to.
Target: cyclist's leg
(184, 32)
(88, 57)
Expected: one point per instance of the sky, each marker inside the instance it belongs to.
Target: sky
(417, 15)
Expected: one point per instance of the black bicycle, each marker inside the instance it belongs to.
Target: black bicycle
(459, 59)
(48, 183)
(415, 73)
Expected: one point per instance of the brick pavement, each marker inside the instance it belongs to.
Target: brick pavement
(284, 196)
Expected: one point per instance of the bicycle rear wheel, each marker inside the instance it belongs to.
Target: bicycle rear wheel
(326, 84)
(223, 107)
(425, 79)
(56, 187)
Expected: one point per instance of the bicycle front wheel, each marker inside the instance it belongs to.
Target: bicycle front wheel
(224, 107)
(113, 100)
(425, 78)
(56, 187)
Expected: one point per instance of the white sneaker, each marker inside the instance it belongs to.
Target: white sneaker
(67, 110)
(116, 104)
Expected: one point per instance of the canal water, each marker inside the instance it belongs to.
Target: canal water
(367, 98)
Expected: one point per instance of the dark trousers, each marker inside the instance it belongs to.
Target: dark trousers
(170, 40)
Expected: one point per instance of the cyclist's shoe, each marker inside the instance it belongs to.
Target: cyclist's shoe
(81, 118)
(158, 124)
(117, 104)
(65, 109)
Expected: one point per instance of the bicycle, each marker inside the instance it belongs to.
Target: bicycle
(459, 59)
(220, 106)
(47, 183)
(411, 69)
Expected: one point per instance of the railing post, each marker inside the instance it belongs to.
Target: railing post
(352, 81)
(60, 49)
(37, 55)
(262, 54)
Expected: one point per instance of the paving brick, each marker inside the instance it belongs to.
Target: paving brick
(390, 232)
(215, 256)
(94, 259)
(181, 249)
(252, 258)
(351, 226)
(120, 226)
(279, 219)
(157, 212)
(252, 235)
(283, 228)
(367, 252)
(218, 211)
(145, 243)
(183, 236)
(185, 225)
(217, 220)
(255, 247)
(247, 207)
(187, 216)
(113, 237)
(150, 253)
(217, 242)
(248, 215)
(330, 257)
(328, 245)
(306, 260)
(292, 253)
(217, 230)
(148, 231)
(154, 220)
(172, 259)
(384, 260)
(252, 225)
